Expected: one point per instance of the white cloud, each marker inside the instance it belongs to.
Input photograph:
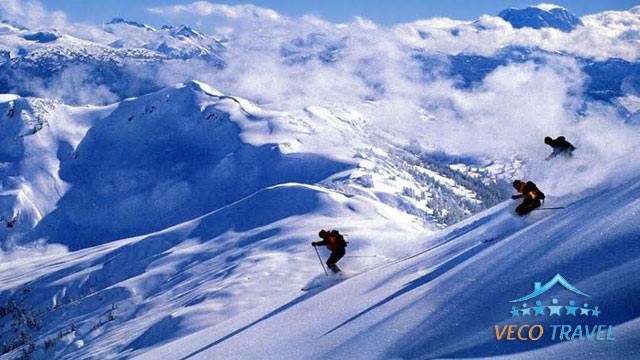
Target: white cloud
(291, 63)
(507, 114)
(548, 7)
(206, 8)
(604, 35)
(31, 14)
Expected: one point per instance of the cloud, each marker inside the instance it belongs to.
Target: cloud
(515, 107)
(31, 14)
(290, 64)
(73, 85)
(505, 116)
(604, 35)
(206, 8)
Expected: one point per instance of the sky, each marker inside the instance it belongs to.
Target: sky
(381, 12)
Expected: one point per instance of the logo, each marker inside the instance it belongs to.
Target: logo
(574, 319)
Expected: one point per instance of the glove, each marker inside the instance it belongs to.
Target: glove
(314, 244)
(514, 197)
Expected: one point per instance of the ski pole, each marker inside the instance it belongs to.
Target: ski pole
(321, 263)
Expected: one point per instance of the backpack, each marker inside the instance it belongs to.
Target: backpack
(340, 239)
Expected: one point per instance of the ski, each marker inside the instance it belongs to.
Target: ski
(550, 208)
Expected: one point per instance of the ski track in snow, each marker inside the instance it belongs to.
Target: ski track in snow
(442, 302)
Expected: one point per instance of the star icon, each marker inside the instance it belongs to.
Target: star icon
(526, 311)
(539, 309)
(554, 310)
(571, 309)
(584, 311)
(514, 311)
(595, 312)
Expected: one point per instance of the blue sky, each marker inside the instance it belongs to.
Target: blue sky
(383, 12)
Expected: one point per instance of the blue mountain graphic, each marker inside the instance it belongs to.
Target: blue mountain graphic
(539, 290)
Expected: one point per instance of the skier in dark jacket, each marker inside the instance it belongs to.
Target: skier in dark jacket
(530, 194)
(335, 242)
(10, 222)
(560, 146)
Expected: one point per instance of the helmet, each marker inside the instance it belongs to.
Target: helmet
(548, 140)
(323, 233)
(516, 183)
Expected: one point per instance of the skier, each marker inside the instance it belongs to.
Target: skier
(530, 194)
(335, 242)
(12, 109)
(10, 223)
(560, 146)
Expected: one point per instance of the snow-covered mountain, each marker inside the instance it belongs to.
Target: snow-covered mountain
(189, 165)
(444, 301)
(208, 286)
(167, 43)
(189, 140)
(122, 60)
(541, 16)
(147, 214)
(181, 42)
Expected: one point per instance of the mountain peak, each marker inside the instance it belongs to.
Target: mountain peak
(185, 31)
(116, 21)
(201, 87)
(541, 16)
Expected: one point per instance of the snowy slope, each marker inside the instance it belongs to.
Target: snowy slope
(192, 203)
(38, 135)
(139, 218)
(444, 301)
(82, 176)
(127, 295)
(227, 285)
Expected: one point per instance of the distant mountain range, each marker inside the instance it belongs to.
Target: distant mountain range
(541, 16)
(131, 53)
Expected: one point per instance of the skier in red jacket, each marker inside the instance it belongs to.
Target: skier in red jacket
(335, 242)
